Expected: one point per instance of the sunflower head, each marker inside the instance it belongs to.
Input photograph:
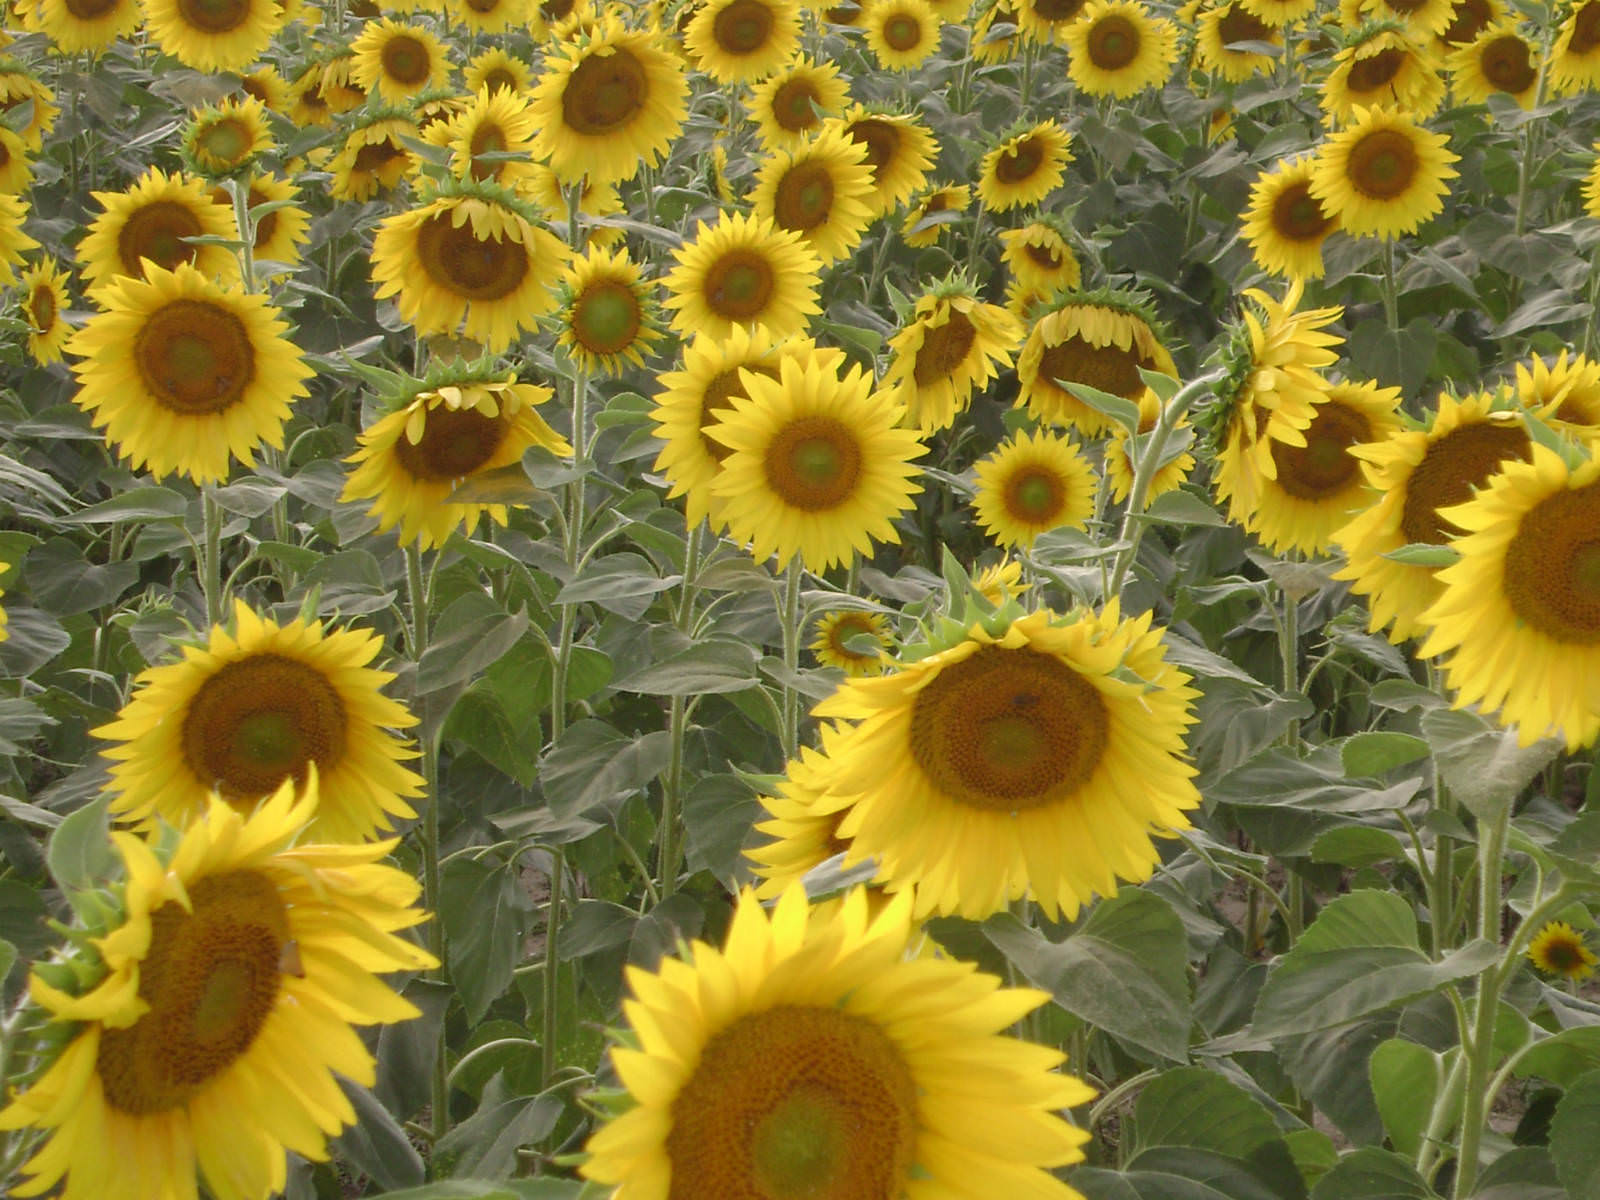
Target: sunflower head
(1559, 949)
(227, 139)
(607, 317)
(855, 640)
(1032, 484)
(1026, 164)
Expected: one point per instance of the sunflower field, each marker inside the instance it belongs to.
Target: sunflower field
(756, 600)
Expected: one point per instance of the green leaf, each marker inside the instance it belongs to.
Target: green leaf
(1372, 1174)
(1357, 846)
(1379, 753)
(64, 582)
(1174, 1174)
(488, 1141)
(8, 958)
(20, 722)
(1197, 1109)
(548, 1188)
(81, 855)
(1424, 554)
(1313, 1151)
(1123, 971)
(1480, 762)
(711, 666)
(594, 764)
(1121, 410)
(1181, 507)
(1405, 1079)
(485, 911)
(407, 1050)
(376, 1143)
(622, 583)
(1316, 784)
(1563, 1057)
(1573, 1143)
(249, 497)
(471, 634)
(717, 815)
(1522, 1173)
(1393, 356)
(135, 504)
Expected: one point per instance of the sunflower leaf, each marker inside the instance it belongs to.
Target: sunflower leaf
(1123, 411)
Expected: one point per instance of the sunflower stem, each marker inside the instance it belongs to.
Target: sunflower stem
(245, 227)
(211, 554)
(672, 797)
(552, 972)
(790, 616)
(1587, 344)
(573, 553)
(1391, 295)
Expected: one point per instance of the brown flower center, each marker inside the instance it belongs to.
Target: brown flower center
(606, 318)
(813, 464)
(604, 93)
(194, 357)
(1585, 28)
(455, 443)
(792, 106)
(743, 27)
(1452, 467)
(1109, 368)
(406, 60)
(471, 267)
(1020, 162)
(944, 348)
(717, 399)
(1113, 43)
(739, 286)
(214, 16)
(1471, 17)
(902, 33)
(91, 10)
(1552, 571)
(42, 308)
(155, 231)
(1323, 467)
(1297, 216)
(1034, 496)
(1375, 71)
(1238, 25)
(804, 197)
(1382, 164)
(1057, 10)
(1508, 66)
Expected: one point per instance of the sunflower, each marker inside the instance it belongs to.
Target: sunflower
(1558, 949)
(468, 255)
(182, 372)
(16, 171)
(923, 222)
(692, 400)
(1285, 224)
(1391, 68)
(953, 345)
(220, 1010)
(1575, 57)
(996, 37)
(411, 460)
(900, 33)
(816, 466)
(543, 187)
(1036, 760)
(281, 231)
(801, 819)
(1000, 582)
(1119, 460)
(1221, 26)
(13, 241)
(1499, 60)
(18, 86)
(1118, 49)
(1040, 258)
(398, 59)
(1384, 175)
(307, 105)
(1470, 18)
(1279, 14)
(497, 70)
(267, 85)
(741, 41)
(149, 222)
(900, 152)
(500, 123)
(609, 104)
(227, 138)
(489, 16)
(337, 86)
(1100, 340)
(44, 305)
(1417, 475)
(86, 26)
(822, 190)
(1043, 22)
(1591, 186)
(213, 35)
(789, 105)
(374, 156)
(742, 271)
(1025, 167)
(1423, 18)
(607, 317)
(1031, 484)
(1564, 392)
(813, 1056)
(842, 636)
(553, 20)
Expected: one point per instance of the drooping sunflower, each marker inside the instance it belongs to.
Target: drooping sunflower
(220, 1012)
(742, 271)
(790, 104)
(1558, 949)
(1025, 167)
(1040, 259)
(1564, 392)
(840, 638)
(1118, 48)
(1517, 619)
(1285, 224)
(44, 304)
(741, 41)
(554, 20)
(900, 33)
(1120, 464)
(900, 153)
(1035, 759)
(280, 232)
(307, 105)
(498, 70)
(183, 373)
(146, 224)
(399, 59)
(952, 346)
(213, 35)
(543, 187)
(1219, 27)
(809, 1057)
(1423, 18)
(1030, 484)
(13, 241)
(1418, 474)
(607, 317)
(86, 26)
(817, 465)
(16, 171)
(1099, 339)
(1000, 582)
(1384, 175)
(925, 218)
(692, 400)
(374, 156)
(337, 86)
(609, 104)
(1574, 64)
(18, 86)
(470, 255)
(464, 424)
(489, 16)
(1388, 68)
(822, 190)
(227, 138)
(1499, 60)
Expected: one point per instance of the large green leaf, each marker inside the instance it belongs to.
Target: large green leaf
(486, 911)
(377, 1144)
(1198, 1109)
(472, 632)
(1563, 1057)
(81, 855)
(1573, 1143)
(1372, 1174)
(1318, 783)
(1480, 762)
(1405, 1078)
(594, 764)
(1175, 1174)
(713, 665)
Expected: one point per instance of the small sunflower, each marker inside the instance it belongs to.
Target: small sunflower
(44, 304)
(1391, 68)
(489, 16)
(1517, 617)
(1575, 56)
(183, 373)
(742, 271)
(1558, 949)
(1285, 224)
(1044, 22)
(814, 1055)
(1040, 258)
(469, 256)
(816, 465)
(496, 70)
(741, 41)
(1423, 18)
(1025, 167)
(1222, 25)
(1036, 761)
(996, 35)
(281, 232)
(16, 171)
(1591, 186)
(373, 157)
(86, 26)
(213, 35)
(900, 33)
(900, 153)
(609, 104)
(1031, 484)
(267, 85)
(398, 59)
(800, 820)
(952, 346)
(1279, 14)
(1118, 48)
(842, 637)
(18, 86)
(1418, 475)
(822, 190)
(500, 123)
(1468, 19)
(1119, 461)
(1564, 392)
(307, 105)
(555, 20)
(337, 86)
(410, 461)
(923, 223)
(1000, 582)
(1099, 340)
(227, 138)
(790, 105)
(147, 224)
(1384, 175)
(1499, 60)
(607, 318)
(13, 241)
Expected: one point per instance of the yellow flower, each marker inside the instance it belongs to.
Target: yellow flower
(1499, 60)
(1117, 48)
(1558, 949)
(150, 221)
(1389, 69)
(742, 271)
(1000, 582)
(374, 157)
(222, 35)
(1285, 224)
(953, 346)
(281, 232)
(1219, 27)
(1423, 19)
(1566, 391)
(213, 1041)
(268, 86)
(812, 1056)
(13, 212)
(1575, 57)
(1040, 259)
(741, 41)
(44, 304)
(16, 171)
(1119, 464)
(952, 200)
(1099, 340)
(1468, 19)
(497, 70)
(607, 318)
(1025, 167)
(1591, 187)
(900, 33)
(399, 60)
(79, 28)
(900, 152)
(1384, 175)
(494, 122)
(17, 86)
(1044, 21)
(787, 105)
(821, 190)
(801, 819)
(227, 138)
(489, 16)
(1031, 484)
(839, 636)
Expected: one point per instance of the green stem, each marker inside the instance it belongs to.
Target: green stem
(1587, 343)
(1391, 295)
(790, 616)
(672, 797)
(552, 972)
(1429, 1152)
(246, 229)
(211, 555)
(573, 552)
